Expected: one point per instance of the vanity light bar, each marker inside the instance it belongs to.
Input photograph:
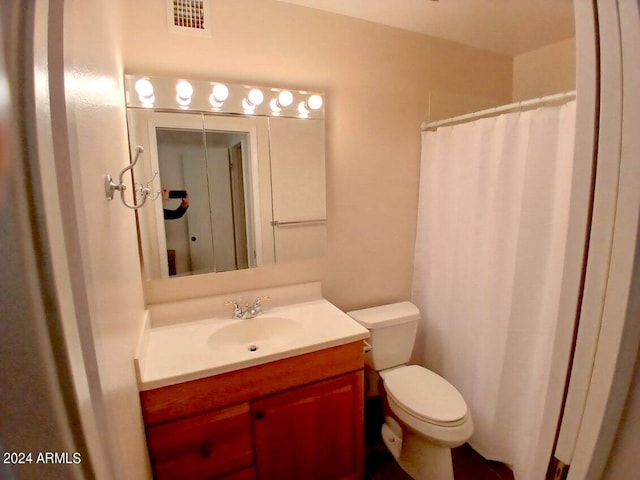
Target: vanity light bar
(210, 96)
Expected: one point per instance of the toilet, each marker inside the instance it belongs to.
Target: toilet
(425, 416)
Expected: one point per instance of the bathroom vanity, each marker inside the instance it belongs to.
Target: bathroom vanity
(248, 421)
(290, 408)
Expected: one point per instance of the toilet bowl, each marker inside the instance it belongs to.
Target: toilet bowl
(427, 416)
(428, 404)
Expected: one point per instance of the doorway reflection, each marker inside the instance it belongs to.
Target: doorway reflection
(205, 170)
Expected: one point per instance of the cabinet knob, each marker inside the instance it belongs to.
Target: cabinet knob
(205, 450)
(259, 415)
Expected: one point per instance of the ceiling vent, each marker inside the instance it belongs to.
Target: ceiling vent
(189, 16)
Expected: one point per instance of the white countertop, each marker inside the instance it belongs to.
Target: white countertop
(171, 354)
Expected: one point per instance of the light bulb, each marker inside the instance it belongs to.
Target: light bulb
(144, 88)
(248, 106)
(302, 109)
(184, 91)
(255, 96)
(275, 106)
(314, 102)
(219, 94)
(285, 98)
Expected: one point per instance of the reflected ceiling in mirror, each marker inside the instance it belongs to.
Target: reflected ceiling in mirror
(237, 190)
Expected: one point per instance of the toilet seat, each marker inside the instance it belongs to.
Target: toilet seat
(426, 396)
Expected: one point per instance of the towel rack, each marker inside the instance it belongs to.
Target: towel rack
(278, 223)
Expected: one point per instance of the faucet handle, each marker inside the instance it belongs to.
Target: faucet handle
(237, 309)
(258, 302)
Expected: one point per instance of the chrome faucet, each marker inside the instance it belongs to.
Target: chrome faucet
(237, 310)
(249, 311)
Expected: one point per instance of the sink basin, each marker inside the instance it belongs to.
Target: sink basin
(178, 350)
(255, 334)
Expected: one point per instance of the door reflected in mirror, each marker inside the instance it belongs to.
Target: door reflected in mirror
(203, 197)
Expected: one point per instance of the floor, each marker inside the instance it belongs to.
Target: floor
(467, 465)
(380, 465)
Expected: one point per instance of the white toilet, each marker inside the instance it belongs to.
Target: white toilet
(428, 415)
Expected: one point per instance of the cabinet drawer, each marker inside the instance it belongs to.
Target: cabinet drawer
(202, 446)
(244, 474)
(162, 404)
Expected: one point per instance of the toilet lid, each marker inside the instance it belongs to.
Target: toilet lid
(425, 395)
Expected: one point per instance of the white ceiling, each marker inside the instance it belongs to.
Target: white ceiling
(503, 26)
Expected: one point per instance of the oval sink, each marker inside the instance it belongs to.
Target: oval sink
(256, 333)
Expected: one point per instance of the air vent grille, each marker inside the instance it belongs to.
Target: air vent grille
(188, 16)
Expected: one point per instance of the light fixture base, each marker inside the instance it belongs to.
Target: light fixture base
(109, 187)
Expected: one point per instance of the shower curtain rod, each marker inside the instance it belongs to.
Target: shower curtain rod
(524, 105)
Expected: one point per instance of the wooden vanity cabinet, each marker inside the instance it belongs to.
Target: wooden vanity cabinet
(194, 447)
(300, 417)
(313, 431)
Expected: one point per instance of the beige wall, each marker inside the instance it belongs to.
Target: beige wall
(545, 71)
(445, 104)
(107, 289)
(377, 81)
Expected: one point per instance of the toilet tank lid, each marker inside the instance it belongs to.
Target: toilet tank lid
(386, 315)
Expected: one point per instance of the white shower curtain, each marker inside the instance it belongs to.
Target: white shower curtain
(491, 237)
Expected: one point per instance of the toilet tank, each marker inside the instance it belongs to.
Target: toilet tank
(393, 330)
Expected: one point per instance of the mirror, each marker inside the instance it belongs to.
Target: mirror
(203, 175)
(232, 191)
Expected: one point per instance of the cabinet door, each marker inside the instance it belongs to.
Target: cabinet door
(202, 446)
(311, 432)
